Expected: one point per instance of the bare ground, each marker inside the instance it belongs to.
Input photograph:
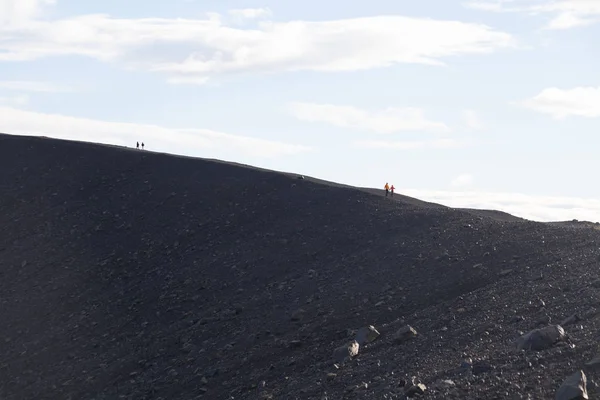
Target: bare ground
(137, 275)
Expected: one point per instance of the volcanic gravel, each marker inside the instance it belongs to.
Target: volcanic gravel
(127, 274)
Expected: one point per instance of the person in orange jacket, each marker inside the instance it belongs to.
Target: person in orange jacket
(392, 190)
(387, 189)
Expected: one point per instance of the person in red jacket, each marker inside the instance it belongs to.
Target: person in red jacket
(392, 190)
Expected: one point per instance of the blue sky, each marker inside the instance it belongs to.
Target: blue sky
(487, 104)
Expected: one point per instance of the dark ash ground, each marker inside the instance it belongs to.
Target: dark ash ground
(134, 275)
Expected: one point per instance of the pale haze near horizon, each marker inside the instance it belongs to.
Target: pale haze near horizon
(482, 104)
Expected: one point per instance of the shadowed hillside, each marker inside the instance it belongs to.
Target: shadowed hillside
(138, 275)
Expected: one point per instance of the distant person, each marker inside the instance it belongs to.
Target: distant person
(392, 190)
(387, 189)
(137, 145)
(142, 145)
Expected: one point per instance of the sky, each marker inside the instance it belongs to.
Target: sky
(470, 103)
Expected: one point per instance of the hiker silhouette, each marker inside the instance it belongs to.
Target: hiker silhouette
(137, 145)
(142, 145)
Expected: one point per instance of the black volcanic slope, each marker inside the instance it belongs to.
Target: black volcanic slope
(135, 275)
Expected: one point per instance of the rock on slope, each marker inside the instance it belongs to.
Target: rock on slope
(136, 275)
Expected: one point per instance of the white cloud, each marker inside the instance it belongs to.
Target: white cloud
(500, 6)
(462, 180)
(195, 142)
(472, 119)
(536, 208)
(568, 21)
(33, 86)
(388, 120)
(410, 144)
(561, 103)
(16, 12)
(18, 100)
(182, 80)
(201, 48)
(251, 13)
(565, 14)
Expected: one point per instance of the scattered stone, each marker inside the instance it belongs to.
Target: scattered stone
(573, 319)
(541, 339)
(596, 283)
(466, 364)
(386, 288)
(545, 320)
(481, 367)
(443, 384)
(405, 333)
(415, 389)
(366, 335)
(298, 315)
(346, 352)
(573, 388)
(294, 344)
(505, 272)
